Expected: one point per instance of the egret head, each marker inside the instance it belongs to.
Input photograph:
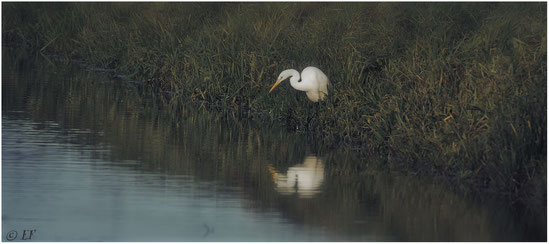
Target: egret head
(283, 75)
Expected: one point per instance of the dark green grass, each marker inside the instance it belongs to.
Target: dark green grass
(449, 89)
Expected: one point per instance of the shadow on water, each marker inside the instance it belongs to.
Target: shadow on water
(275, 170)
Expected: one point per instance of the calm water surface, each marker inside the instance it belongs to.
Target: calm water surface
(88, 158)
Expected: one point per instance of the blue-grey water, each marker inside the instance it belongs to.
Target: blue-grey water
(89, 158)
(61, 189)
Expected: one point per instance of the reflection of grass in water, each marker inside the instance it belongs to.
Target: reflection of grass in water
(420, 210)
(456, 90)
(141, 129)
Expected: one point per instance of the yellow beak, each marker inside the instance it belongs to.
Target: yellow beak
(276, 84)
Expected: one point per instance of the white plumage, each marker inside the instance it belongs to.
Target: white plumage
(313, 82)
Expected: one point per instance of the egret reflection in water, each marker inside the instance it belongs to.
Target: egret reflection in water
(302, 179)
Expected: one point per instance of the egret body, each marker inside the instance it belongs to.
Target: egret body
(313, 82)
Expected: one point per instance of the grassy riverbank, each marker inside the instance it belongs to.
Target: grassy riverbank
(457, 90)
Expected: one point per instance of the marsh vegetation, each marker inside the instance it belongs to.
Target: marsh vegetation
(100, 155)
(456, 90)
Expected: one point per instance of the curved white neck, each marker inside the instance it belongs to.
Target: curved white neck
(294, 79)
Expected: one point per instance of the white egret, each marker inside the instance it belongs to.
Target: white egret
(313, 82)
